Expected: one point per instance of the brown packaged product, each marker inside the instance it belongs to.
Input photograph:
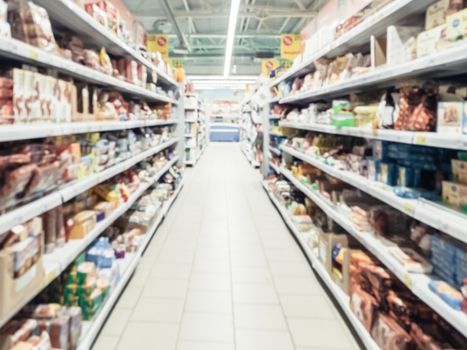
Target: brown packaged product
(6, 93)
(399, 308)
(75, 326)
(44, 177)
(6, 83)
(15, 183)
(14, 160)
(82, 224)
(60, 227)
(50, 231)
(59, 332)
(389, 335)
(378, 279)
(16, 331)
(363, 306)
(42, 311)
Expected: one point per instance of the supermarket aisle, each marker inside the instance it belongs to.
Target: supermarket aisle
(223, 272)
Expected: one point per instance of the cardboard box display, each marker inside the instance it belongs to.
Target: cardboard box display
(14, 291)
(343, 277)
(431, 41)
(402, 44)
(83, 223)
(449, 117)
(378, 51)
(436, 14)
(455, 195)
(325, 244)
(457, 26)
(459, 170)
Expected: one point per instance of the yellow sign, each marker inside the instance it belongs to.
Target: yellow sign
(268, 65)
(290, 46)
(177, 63)
(159, 43)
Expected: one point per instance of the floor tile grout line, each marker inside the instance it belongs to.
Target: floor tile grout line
(184, 311)
(274, 284)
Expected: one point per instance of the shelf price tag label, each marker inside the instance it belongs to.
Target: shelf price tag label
(408, 208)
(420, 139)
(408, 281)
(33, 54)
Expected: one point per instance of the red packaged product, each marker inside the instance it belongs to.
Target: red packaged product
(6, 83)
(6, 93)
(389, 335)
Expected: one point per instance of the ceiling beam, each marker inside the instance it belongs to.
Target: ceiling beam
(170, 14)
(237, 36)
(284, 24)
(223, 14)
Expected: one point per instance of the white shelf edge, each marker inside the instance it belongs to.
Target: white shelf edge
(417, 283)
(339, 295)
(56, 262)
(27, 53)
(91, 328)
(346, 39)
(18, 132)
(61, 195)
(275, 150)
(440, 218)
(431, 139)
(441, 60)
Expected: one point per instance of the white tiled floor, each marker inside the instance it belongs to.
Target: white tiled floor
(224, 273)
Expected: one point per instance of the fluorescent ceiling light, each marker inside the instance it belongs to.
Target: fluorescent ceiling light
(221, 84)
(221, 77)
(234, 7)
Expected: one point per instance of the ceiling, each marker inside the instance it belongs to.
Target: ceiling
(198, 28)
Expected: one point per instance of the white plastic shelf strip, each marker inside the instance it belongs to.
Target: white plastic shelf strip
(444, 219)
(431, 139)
(275, 150)
(18, 132)
(417, 283)
(56, 262)
(72, 16)
(447, 61)
(70, 190)
(127, 267)
(18, 50)
(339, 295)
(375, 25)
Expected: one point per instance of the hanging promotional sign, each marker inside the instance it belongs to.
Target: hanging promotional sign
(290, 46)
(177, 63)
(159, 43)
(268, 65)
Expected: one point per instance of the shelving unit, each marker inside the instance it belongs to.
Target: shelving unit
(23, 52)
(69, 14)
(163, 90)
(195, 128)
(444, 63)
(439, 217)
(56, 262)
(360, 35)
(127, 267)
(341, 298)
(68, 191)
(417, 283)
